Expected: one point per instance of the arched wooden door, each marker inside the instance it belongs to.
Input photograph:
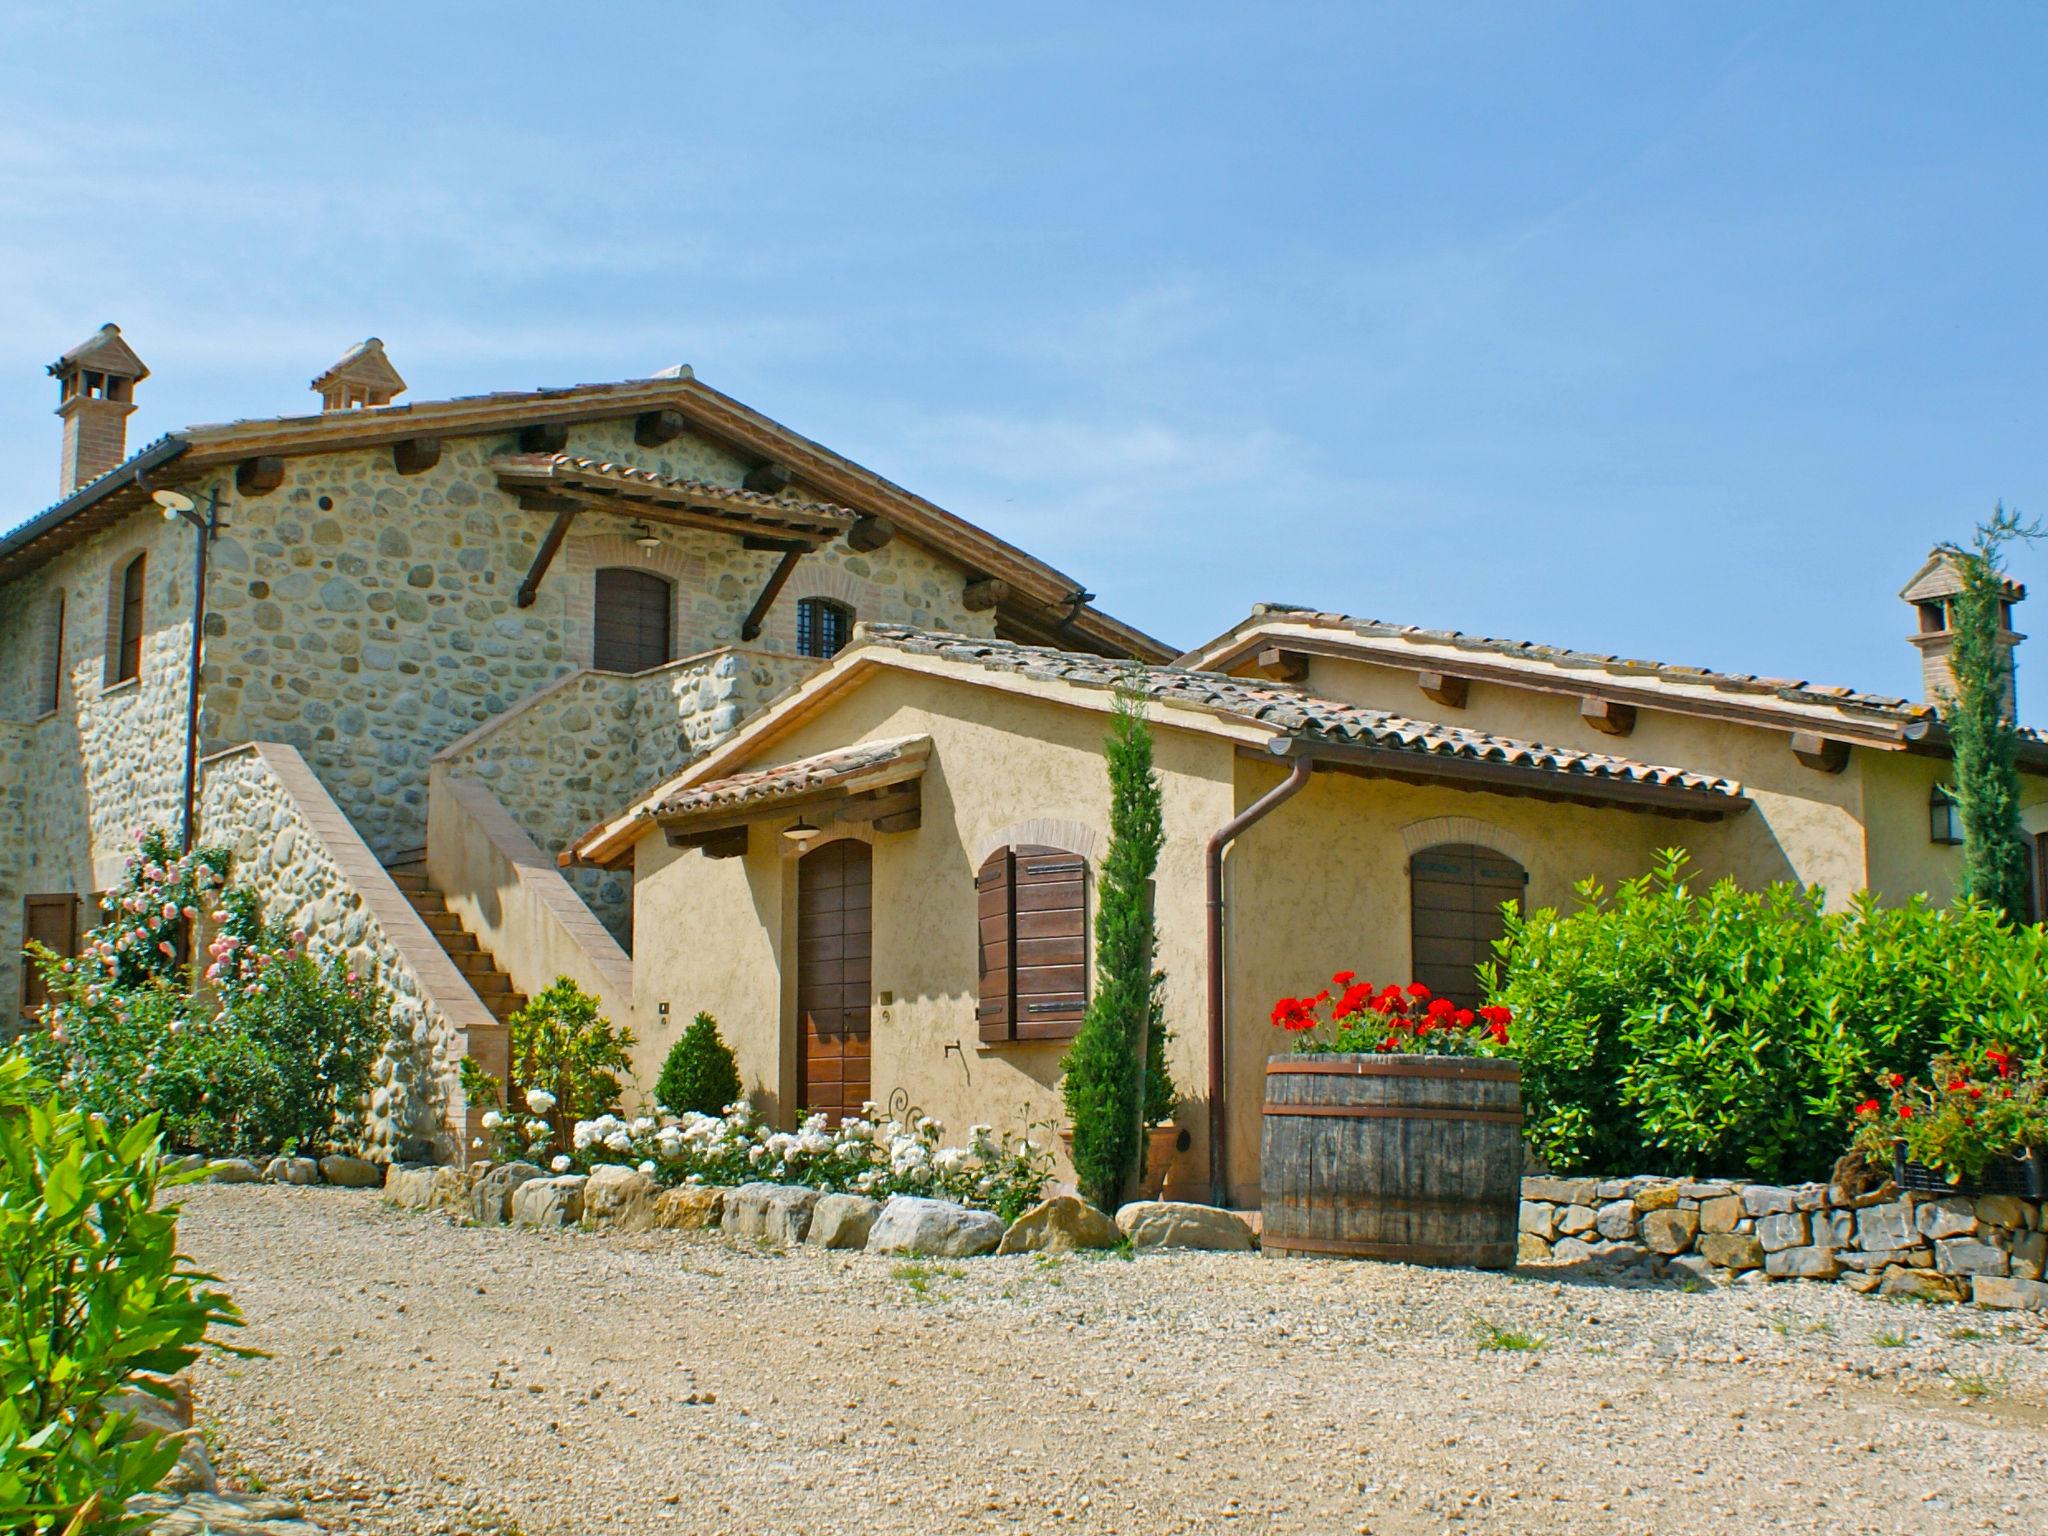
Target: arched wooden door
(1457, 890)
(834, 935)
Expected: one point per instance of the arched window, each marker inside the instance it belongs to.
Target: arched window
(1031, 908)
(124, 657)
(632, 630)
(822, 626)
(51, 693)
(1457, 890)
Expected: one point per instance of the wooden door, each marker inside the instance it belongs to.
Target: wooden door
(1457, 892)
(632, 620)
(834, 934)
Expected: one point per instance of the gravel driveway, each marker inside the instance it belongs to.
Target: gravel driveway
(425, 1377)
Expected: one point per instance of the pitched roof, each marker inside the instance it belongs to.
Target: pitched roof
(105, 351)
(1291, 716)
(841, 768)
(1940, 576)
(605, 478)
(364, 364)
(1041, 599)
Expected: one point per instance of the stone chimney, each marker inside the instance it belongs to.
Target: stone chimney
(96, 394)
(364, 377)
(1932, 592)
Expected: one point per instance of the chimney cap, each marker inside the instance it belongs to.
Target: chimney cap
(1939, 577)
(363, 370)
(103, 352)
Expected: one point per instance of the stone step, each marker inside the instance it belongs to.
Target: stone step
(494, 983)
(505, 1004)
(409, 880)
(470, 959)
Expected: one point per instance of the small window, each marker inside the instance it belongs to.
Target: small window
(51, 921)
(52, 690)
(1031, 911)
(1456, 894)
(822, 626)
(633, 610)
(125, 661)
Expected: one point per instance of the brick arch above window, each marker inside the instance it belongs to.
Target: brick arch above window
(583, 558)
(1418, 835)
(1050, 830)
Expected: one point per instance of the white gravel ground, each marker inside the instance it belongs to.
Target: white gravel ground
(425, 1377)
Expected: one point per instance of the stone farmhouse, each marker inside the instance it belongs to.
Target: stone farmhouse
(424, 646)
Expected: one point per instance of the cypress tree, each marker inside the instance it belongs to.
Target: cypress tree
(1979, 717)
(1103, 1083)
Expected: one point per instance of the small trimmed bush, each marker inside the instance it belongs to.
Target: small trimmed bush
(699, 1073)
(566, 1057)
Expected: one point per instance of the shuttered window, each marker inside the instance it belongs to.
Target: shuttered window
(53, 658)
(632, 630)
(1031, 907)
(1457, 891)
(51, 921)
(822, 627)
(126, 660)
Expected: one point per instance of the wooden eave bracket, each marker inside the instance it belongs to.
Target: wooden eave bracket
(777, 579)
(259, 476)
(653, 428)
(982, 595)
(1281, 665)
(718, 843)
(544, 437)
(770, 478)
(869, 533)
(1444, 688)
(415, 455)
(1607, 716)
(565, 513)
(1823, 754)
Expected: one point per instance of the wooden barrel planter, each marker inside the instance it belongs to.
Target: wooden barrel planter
(1414, 1158)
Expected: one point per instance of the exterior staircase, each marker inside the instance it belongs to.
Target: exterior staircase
(479, 968)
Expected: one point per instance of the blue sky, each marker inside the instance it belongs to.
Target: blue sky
(1678, 332)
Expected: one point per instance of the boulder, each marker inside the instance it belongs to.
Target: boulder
(774, 1213)
(1529, 1247)
(1887, 1226)
(423, 1186)
(1922, 1285)
(490, 1202)
(1575, 1220)
(292, 1170)
(1732, 1250)
(1616, 1220)
(555, 1202)
(234, 1170)
(221, 1514)
(1176, 1224)
(1967, 1256)
(1786, 1229)
(1669, 1231)
(1720, 1213)
(1765, 1200)
(172, 1418)
(1950, 1216)
(2009, 1295)
(2029, 1254)
(689, 1208)
(1062, 1224)
(1658, 1197)
(935, 1229)
(1572, 1250)
(350, 1172)
(1813, 1263)
(1691, 1266)
(1537, 1219)
(619, 1198)
(842, 1221)
(2001, 1211)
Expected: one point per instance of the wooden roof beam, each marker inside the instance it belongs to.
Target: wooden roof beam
(1281, 665)
(550, 543)
(777, 580)
(982, 595)
(1444, 688)
(869, 534)
(259, 476)
(415, 455)
(1610, 717)
(653, 428)
(769, 478)
(1823, 754)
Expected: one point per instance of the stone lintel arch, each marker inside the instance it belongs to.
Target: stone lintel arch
(581, 560)
(1438, 830)
(1044, 832)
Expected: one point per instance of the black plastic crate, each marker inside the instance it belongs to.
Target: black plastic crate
(2024, 1175)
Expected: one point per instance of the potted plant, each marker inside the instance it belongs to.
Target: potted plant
(1390, 1130)
(1976, 1126)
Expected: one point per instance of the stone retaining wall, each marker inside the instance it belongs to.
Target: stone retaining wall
(1990, 1249)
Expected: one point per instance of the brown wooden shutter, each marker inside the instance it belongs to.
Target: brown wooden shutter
(128, 658)
(995, 915)
(1051, 948)
(632, 620)
(51, 921)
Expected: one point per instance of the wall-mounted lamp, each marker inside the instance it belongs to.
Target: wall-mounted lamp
(644, 537)
(1944, 824)
(800, 832)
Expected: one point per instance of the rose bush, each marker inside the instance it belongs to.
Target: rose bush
(862, 1155)
(1971, 1111)
(1358, 1016)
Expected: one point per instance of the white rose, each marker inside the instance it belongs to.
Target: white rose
(561, 1162)
(492, 1119)
(540, 1101)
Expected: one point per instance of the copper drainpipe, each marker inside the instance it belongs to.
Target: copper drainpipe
(1295, 782)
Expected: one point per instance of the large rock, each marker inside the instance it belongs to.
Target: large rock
(2029, 1254)
(1967, 1256)
(490, 1202)
(1786, 1229)
(1765, 1200)
(1669, 1231)
(1813, 1263)
(221, 1514)
(350, 1172)
(171, 1418)
(1616, 1220)
(1529, 1248)
(1062, 1224)
(1922, 1285)
(1560, 1191)
(1176, 1224)
(619, 1198)
(935, 1229)
(1657, 1197)
(1576, 1220)
(1732, 1250)
(689, 1208)
(1950, 1216)
(2010, 1295)
(1720, 1213)
(1536, 1219)
(842, 1221)
(1887, 1226)
(423, 1186)
(2002, 1211)
(774, 1213)
(292, 1170)
(549, 1203)
(234, 1170)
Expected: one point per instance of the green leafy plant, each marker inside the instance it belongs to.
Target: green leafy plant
(1492, 1337)
(1979, 717)
(565, 1058)
(1104, 1088)
(1971, 1110)
(95, 1295)
(699, 1072)
(1734, 1031)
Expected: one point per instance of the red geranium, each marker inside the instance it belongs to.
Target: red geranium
(1393, 1018)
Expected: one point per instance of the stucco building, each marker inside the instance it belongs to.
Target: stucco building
(439, 640)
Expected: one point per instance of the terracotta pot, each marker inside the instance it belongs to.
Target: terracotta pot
(1163, 1143)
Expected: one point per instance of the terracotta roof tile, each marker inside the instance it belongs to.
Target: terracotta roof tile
(823, 770)
(599, 476)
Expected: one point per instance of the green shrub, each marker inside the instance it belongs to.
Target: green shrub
(699, 1072)
(565, 1059)
(1103, 1088)
(1732, 1031)
(96, 1293)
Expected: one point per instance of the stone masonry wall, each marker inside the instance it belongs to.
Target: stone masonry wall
(584, 747)
(367, 617)
(290, 843)
(1990, 1248)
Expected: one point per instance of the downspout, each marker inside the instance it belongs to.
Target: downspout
(1295, 782)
